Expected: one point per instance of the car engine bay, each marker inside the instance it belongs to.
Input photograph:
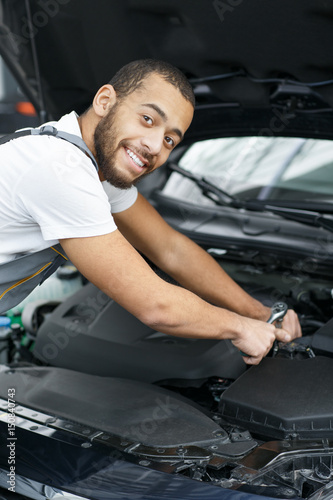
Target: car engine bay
(190, 407)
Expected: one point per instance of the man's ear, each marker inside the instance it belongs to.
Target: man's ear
(104, 99)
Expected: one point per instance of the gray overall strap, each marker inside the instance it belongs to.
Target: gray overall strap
(50, 130)
(20, 276)
(73, 139)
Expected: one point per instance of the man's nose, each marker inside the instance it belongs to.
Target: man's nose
(153, 141)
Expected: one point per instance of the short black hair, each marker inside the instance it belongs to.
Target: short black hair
(131, 76)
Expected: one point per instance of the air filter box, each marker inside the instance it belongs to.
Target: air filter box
(283, 398)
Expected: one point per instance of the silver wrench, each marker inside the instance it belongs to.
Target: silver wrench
(278, 312)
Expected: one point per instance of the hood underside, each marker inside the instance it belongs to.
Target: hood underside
(271, 50)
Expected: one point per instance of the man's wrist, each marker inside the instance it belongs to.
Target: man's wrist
(261, 312)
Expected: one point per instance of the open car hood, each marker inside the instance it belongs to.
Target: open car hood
(275, 53)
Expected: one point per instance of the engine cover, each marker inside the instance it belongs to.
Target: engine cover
(283, 398)
(91, 333)
(140, 412)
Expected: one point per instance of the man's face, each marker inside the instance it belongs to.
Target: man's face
(140, 131)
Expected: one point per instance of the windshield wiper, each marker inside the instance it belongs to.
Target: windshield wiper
(309, 217)
(323, 207)
(208, 189)
(299, 211)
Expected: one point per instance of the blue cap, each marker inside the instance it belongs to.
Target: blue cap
(4, 321)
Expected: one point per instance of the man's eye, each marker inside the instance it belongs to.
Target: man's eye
(148, 119)
(170, 141)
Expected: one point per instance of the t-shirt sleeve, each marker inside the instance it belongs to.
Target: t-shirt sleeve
(65, 196)
(120, 199)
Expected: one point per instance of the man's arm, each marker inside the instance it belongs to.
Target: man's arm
(189, 264)
(114, 266)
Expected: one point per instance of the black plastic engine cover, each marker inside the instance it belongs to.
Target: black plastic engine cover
(137, 411)
(283, 398)
(91, 333)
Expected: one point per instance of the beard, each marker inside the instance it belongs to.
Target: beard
(106, 148)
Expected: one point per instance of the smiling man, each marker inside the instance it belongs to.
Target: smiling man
(135, 134)
(52, 193)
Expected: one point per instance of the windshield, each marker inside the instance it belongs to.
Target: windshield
(263, 168)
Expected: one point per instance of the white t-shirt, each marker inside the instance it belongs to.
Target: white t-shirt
(50, 190)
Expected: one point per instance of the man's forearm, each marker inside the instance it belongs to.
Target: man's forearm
(113, 265)
(197, 271)
(194, 269)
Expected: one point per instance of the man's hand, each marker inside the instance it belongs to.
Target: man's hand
(256, 339)
(291, 324)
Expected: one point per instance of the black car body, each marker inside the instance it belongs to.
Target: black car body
(122, 411)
